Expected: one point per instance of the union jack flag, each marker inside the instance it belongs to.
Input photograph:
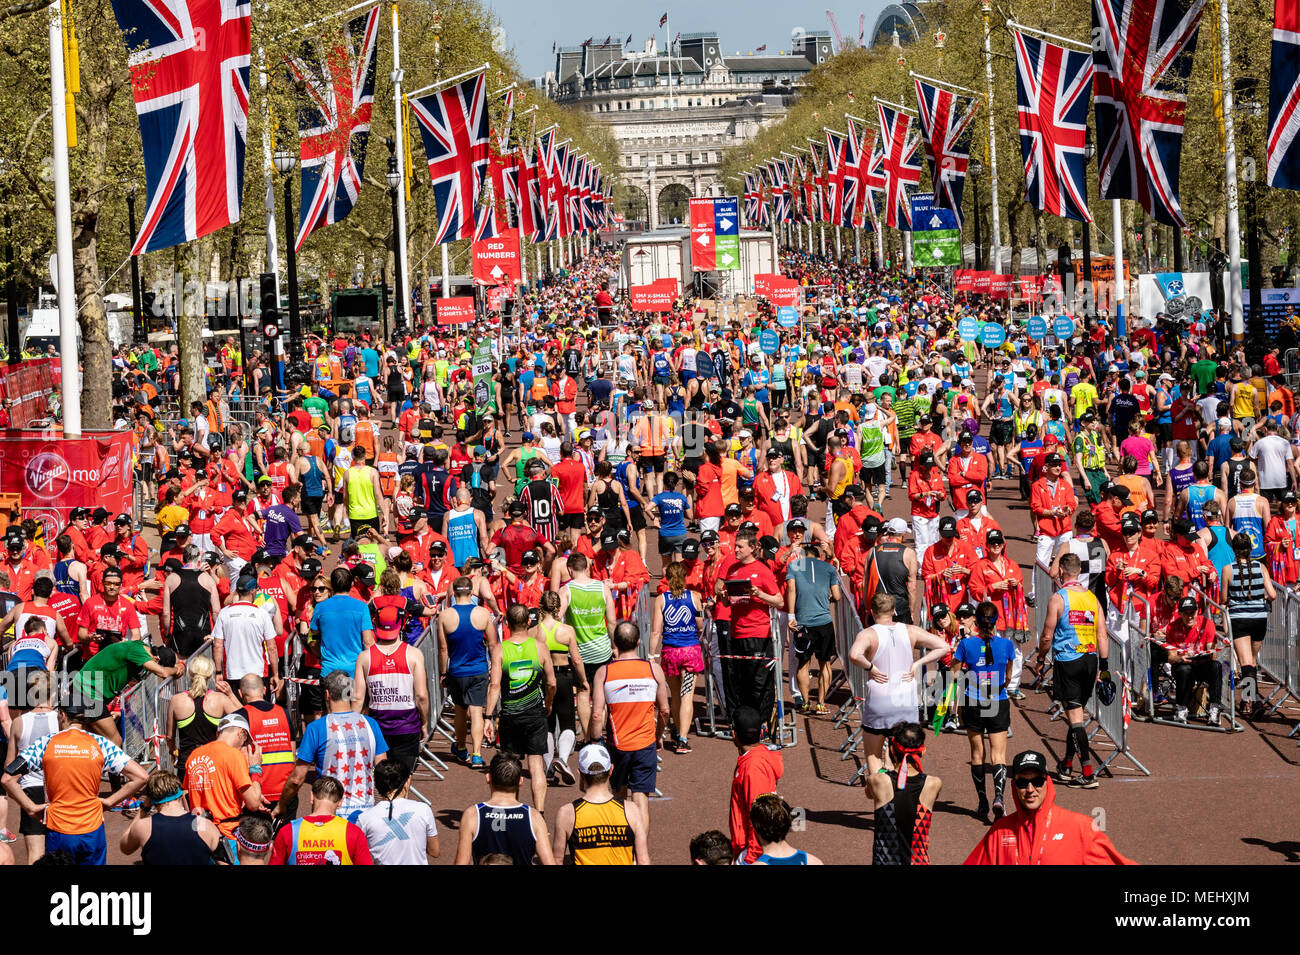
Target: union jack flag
(818, 204)
(1284, 97)
(454, 127)
(492, 216)
(835, 177)
(1140, 99)
(548, 186)
(946, 125)
(189, 63)
(753, 198)
(334, 124)
(799, 188)
(1052, 91)
(783, 210)
(902, 164)
(863, 174)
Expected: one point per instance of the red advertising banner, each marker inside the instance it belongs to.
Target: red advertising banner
(28, 385)
(963, 280)
(784, 292)
(496, 261)
(703, 233)
(496, 297)
(55, 474)
(763, 282)
(981, 282)
(656, 297)
(454, 311)
(999, 285)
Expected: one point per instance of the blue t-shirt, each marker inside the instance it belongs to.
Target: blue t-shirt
(1220, 450)
(339, 620)
(371, 359)
(672, 513)
(987, 677)
(600, 390)
(813, 580)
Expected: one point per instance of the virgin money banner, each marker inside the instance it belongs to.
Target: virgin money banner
(454, 311)
(55, 474)
(496, 261)
(656, 297)
(963, 280)
(28, 385)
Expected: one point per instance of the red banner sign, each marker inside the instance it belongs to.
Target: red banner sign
(656, 297)
(496, 261)
(963, 280)
(981, 282)
(28, 385)
(763, 282)
(55, 474)
(999, 285)
(784, 292)
(496, 298)
(454, 311)
(703, 234)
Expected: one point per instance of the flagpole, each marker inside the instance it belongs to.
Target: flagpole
(400, 129)
(70, 389)
(1013, 25)
(668, 40)
(1117, 216)
(1230, 176)
(455, 79)
(987, 8)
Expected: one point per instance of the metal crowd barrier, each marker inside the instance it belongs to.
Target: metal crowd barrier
(1044, 587)
(847, 627)
(643, 617)
(141, 723)
(1277, 657)
(163, 693)
(428, 647)
(1112, 720)
(787, 731)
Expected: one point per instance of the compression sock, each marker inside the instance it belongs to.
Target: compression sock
(564, 746)
(1068, 762)
(550, 749)
(999, 780)
(1249, 685)
(1080, 735)
(979, 775)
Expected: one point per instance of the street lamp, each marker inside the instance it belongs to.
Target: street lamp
(399, 298)
(976, 170)
(1254, 109)
(139, 330)
(284, 162)
(1089, 150)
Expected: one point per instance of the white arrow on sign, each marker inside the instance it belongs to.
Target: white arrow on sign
(935, 221)
(726, 258)
(724, 225)
(496, 272)
(937, 252)
(703, 239)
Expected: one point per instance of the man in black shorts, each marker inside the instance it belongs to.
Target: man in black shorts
(1075, 631)
(523, 682)
(811, 586)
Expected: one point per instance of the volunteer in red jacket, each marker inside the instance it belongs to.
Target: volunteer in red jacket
(233, 535)
(925, 491)
(565, 391)
(775, 486)
(1051, 502)
(133, 553)
(1040, 832)
(965, 471)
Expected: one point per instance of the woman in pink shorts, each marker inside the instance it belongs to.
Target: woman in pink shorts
(675, 638)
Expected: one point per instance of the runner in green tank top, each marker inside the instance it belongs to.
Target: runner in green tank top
(362, 493)
(588, 608)
(522, 671)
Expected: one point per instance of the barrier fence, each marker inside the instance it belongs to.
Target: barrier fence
(1277, 657)
(427, 644)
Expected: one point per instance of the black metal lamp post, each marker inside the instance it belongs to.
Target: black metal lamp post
(139, 326)
(284, 163)
(976, 170)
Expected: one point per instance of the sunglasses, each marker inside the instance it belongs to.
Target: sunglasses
(320, 590)
(1024, 782)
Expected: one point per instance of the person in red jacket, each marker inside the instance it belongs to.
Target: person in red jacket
(947, 566)
(233, 534)
(977, 523)
(1115, 502)
(1282, 542)
(1184, 556)
(1051, 502)
(926, 492)
(565, 392)
(134, 553)
(1130, 569)
(966, 470)
(758, 770)
(775, 487)
(1040, 832)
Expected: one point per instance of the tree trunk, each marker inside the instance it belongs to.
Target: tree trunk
(190, 322)
(96, 353)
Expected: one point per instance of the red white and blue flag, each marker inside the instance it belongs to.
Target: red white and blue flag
(1142, 54)
(1284, 97)
(492, 214)
(865, 170)
(189, 62)
(902, 164)
(334, 123)
(782, 210)
(1052, 86)
(753, 198)
(454, 126)
(836, 181)
(947, 120)
(548, 186)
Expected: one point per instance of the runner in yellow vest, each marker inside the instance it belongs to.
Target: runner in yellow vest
(361, 488)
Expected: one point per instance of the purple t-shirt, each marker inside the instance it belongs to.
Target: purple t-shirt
(280, 523)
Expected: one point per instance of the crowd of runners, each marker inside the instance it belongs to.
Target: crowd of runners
(307, 560)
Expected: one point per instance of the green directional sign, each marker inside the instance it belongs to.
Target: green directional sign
(937, 247)
(726, 251)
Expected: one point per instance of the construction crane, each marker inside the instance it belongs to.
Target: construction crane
(843, 43)
(862, 27)
(835, 28)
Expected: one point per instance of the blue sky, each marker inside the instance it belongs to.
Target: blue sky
(533, 25)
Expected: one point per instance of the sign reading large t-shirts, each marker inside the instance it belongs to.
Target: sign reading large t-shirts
(715, 234)
(496, 260)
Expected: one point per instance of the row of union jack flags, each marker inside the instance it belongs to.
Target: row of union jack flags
(1137, 73)
(189, 62)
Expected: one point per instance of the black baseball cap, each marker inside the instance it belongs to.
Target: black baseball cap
(691, 548)
(965, 610)
(734, 510)
(773, 453)
(1288, 497)
(100, 513)
(240, 496)
(797, 524)
(1053, 458)
(363, 573)
(1130, 524)
(994, 537)
(1188, 603)
(1029, 761)
(418, 514)
(947, 527)
(747, 526)
(1119, 490)
(872, 525)
(515, 509)
(1150, 517)
(609, 539)
(530, 557)
(709, 537)
(926, 459)
(939, 611)
(310, 567)
(594, 513)
(1183, 527)
(974, 497)
(123, 519)
(966, 438)
(261, 557)
(303, 540)
(437, 547)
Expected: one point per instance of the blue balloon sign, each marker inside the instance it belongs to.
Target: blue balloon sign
(704, 364)
(1037, 327)
(769, 341)
(992, 335)
(968, 329)
(787, 316)
(1063, 327)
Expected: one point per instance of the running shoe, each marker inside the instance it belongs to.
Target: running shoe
(1084, 782)
(1016, 694)
(982, 810)
(1212, 717)
(562, 770)
(682, 746)
(1180, 714)
(1062, 774)
(127, 805)
(7, 837)
(998, 809)
(950, 726)
(798, 700)
(460, 756)
(1029, 601)
(476, 761)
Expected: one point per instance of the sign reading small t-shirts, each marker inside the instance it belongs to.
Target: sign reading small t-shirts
(992, 335)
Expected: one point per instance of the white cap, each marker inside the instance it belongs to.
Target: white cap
(1225, 423)
(744, 433)
(594, 758)
(896, 526)
(233, 721)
